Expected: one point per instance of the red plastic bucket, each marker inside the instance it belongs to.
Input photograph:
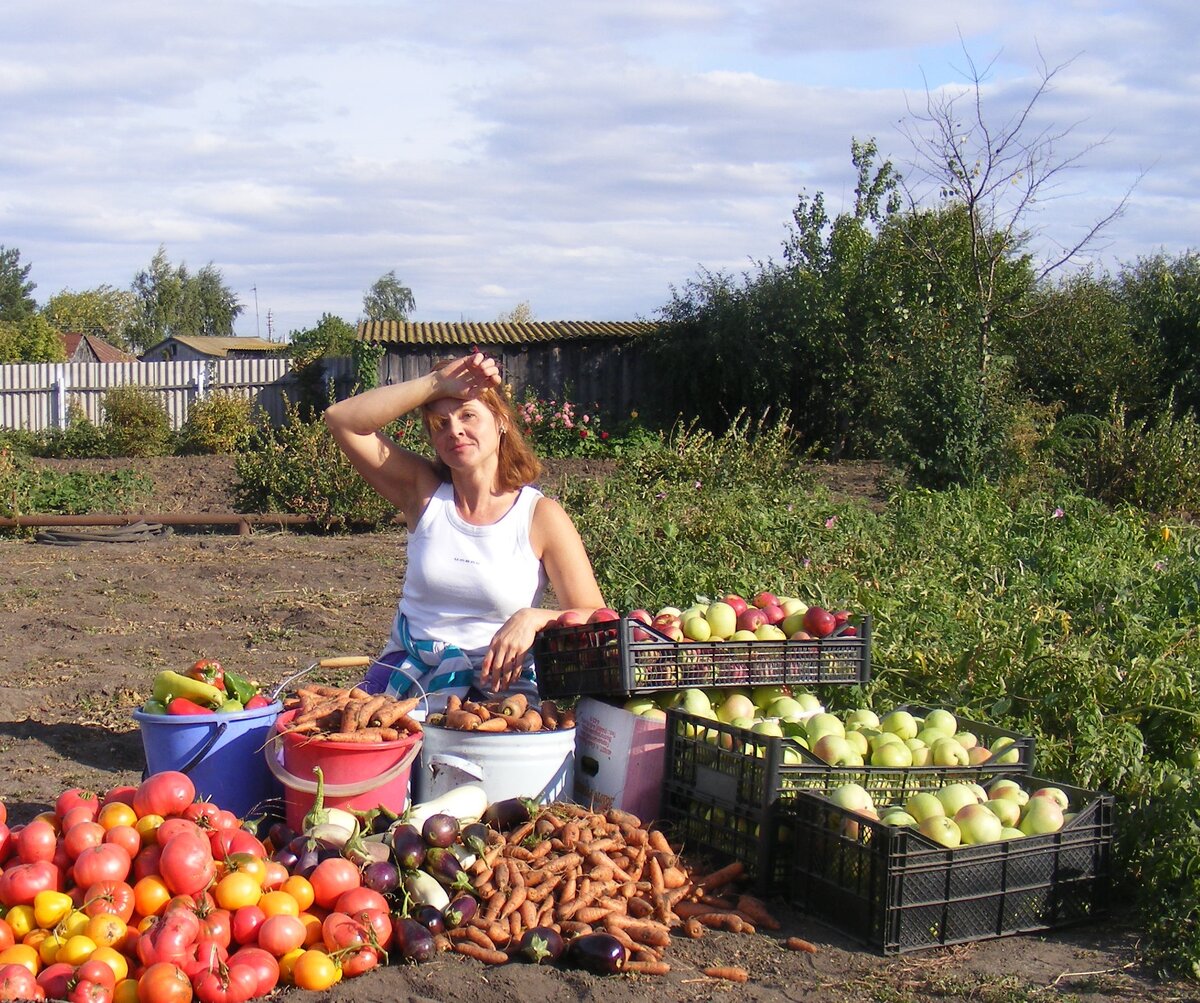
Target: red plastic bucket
(356, 776)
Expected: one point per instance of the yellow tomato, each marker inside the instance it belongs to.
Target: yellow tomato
(150, 895)
(106, 929)
(48, 948)
(115, 960)
(76, 949)
(301, 889)
(126, 991)
(147, 827)
(49, 816)
(21, 954)
(247, 863)
(20, 918)
(315, 970)
(312, 925)
(237, 889)
(117, 813)
(286, 964)
(73, 923)
(50, 908)
(274, 903)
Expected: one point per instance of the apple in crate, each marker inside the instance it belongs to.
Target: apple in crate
(736, 601)
(722, 619)
(977, 824)
(751, 619)
(819, 622)
(955, 796)
(923, 805)
(941, 830)
(1042, 816)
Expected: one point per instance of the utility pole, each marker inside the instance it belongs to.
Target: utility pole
(257, 328)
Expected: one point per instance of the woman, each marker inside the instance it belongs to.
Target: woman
(482, 543)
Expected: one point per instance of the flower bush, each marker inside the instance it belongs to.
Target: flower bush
(562, 428)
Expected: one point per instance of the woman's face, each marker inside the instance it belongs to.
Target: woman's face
(464, 433)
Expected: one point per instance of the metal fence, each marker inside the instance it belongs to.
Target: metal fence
(37, 396)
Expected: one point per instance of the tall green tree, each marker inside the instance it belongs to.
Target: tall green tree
(104, 311)
(329, 336)
(30, 339)
(173, 301)
(16, 300)
(388, 299)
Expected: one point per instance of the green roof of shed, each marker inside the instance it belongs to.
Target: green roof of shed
(467, 333)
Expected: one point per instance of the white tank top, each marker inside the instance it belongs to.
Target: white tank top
(463, 581)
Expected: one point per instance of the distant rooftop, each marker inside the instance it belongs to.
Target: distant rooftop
(467, 333)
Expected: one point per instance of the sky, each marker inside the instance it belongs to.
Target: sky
(585, 158)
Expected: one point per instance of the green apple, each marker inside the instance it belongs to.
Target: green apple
(1005, 752)
(1005, 809)
(954, 796)
(793, 623)
(968, 740)
(825, 724)
(852, 797)
(928, 736)
(669, 611)
(892, 755)
(900, 723)
(808, 702)
(947, 752)
(742, 635)
(920, 752)
(735, 705)
(785, 707)
(897, 816)
(977, 824)
(655, 714)
(792, 756)
(769, 632)
(941, 830)
(923, 805)
(833, 749)
(694, 701)
(941, 720)
(722, 619)
(1008, 789)
(1042, 815)
(695, 628)
(639, 705)
(791, 606)
(1055, 793)
(858, 742)
(1011, 832)
(864, 717)
(745, 722)
(764, 696)
(767, 726)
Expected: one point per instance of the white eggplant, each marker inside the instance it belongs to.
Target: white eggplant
(467, 803)
(331, 833)
(424, 889)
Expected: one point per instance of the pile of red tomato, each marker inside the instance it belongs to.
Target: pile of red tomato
(146, 895)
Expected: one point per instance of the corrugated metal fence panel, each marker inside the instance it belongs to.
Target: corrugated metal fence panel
(35, 396)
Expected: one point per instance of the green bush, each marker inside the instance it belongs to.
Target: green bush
(27, 489)
(221, 423)
(563, 428)
(136, 423)
(82, 438)
(299, 468)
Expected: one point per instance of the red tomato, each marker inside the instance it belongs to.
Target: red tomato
(126, 837)
(186, 864)
(379, 921)
(245, 924)
(228, 841)
(174, 826)
(360, 898)
(169, 938)
(167, 793)
(339, 931)
(361, 960)
(87, 991)
(106, 862)
(281, 933)
(124, 794)
(164, 983)
(17, 983)
(114, 897)
(76, 797)
(146, 862)
(265, 966)
(201, 812)
(21, 882)
(236, 984)
(217, 925)
(3, 813)
(8, 845)
(80, 813)
(7, 937)
(36, 841)
(82, 835)
(54, 978)
(330, 878)
(97, 971)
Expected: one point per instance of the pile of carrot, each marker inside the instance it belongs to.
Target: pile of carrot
(514, 713)
(333, 714)
(577, 872)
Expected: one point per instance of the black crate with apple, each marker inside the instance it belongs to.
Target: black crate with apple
(614, 655)
(896, 889)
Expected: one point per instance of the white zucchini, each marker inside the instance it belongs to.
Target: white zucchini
(424, 889)
(467, 803)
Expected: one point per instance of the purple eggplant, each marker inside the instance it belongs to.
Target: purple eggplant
(475, 838)
(430, 917)
(280, 834)
(287, 856)
(408, 847)
(412, 941)
(442, 863)
(307, 855)
(542, 944)
(462, 909)
(440, 830)
(507, 814)
(381, 876)
(598, 953)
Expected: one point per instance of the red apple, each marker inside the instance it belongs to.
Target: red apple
(801, 635)
(774, 613)
(604, 615)
(570, 618)
(841, 616)
(737, 602)
(819, 622)
(765, 599)
(751, 618)
(641, 615)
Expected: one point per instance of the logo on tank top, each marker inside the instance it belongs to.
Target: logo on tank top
(465, 560)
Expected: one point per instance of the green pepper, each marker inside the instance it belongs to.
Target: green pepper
(238, 687)
(153, 706)
(230, 707)
(168, 685)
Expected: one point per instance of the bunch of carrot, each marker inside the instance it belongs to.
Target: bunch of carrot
(577, 872)
(514, 713)
(333, 714)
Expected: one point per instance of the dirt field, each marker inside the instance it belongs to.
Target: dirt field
(83, 630)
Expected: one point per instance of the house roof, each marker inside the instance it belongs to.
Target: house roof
(219, 346)
(467, 333)
(103, 351)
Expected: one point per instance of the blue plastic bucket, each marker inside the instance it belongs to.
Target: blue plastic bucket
(222, 753)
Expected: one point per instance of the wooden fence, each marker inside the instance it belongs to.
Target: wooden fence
(38, 396)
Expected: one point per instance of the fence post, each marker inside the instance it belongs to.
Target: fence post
(58, 398)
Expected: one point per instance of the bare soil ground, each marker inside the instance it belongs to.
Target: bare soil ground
(84, 629)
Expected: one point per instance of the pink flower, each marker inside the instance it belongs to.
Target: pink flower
(587, 418)
(603, 435)
(1058, 513)
(831, 522)
(583, 433)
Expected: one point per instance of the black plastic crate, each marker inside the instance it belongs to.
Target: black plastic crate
(749, 772)
(622, 657)
(896, 890)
